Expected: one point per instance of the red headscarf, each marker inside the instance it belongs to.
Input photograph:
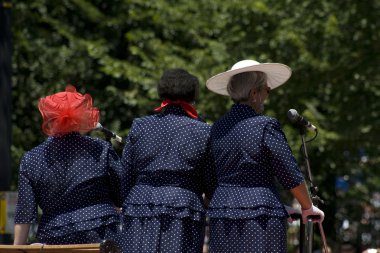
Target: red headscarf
(187, 107)
(68, 111)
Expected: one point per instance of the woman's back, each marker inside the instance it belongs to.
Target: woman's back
(70, 172)
(169, 158)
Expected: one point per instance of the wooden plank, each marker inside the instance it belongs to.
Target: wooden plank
(71, 248)
(106, 246)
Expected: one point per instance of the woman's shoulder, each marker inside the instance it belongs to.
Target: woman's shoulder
(264, 119)
(137, 122)
(95, 140)
(36, 151)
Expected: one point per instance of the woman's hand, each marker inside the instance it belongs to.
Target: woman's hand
(314, 213)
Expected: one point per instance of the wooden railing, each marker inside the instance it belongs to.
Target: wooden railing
(106, 246)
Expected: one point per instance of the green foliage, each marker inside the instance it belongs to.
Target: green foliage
(116, 50)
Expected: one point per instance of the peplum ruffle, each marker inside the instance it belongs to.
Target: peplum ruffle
(78, 220)
(236, 202)
(151, 201)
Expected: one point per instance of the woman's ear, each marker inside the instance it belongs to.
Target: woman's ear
(252, 95)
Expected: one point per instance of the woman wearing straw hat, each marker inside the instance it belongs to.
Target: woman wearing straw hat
(250, 150)
(167, 161)
(74, 179)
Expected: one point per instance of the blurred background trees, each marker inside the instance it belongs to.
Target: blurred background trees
(116, 50)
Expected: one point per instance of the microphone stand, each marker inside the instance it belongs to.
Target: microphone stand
(107, 137)
(306, 230)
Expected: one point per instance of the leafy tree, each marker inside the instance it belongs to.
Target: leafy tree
(116, 50)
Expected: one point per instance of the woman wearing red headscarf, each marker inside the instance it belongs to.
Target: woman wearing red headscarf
(74, 179)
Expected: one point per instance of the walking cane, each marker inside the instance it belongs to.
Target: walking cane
(323, 237)
(309, 235)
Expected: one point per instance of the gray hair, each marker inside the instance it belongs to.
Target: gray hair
(240, 85)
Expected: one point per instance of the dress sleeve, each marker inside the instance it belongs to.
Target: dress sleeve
(26, 208)
(127, 159)
(209, 179)
(117, 177)
(281, 158)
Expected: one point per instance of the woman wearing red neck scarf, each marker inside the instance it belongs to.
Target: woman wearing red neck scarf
(167, 161)
(74, 179)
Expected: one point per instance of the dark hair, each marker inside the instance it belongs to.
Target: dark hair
(178, 84)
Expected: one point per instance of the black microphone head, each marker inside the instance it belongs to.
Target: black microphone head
(293, 115)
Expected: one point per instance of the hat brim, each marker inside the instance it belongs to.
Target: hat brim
(277, 75)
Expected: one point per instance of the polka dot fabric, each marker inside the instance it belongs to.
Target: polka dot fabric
(176, 235)
(76, 181)
(168, 168)
(251, 152)
(260, 234)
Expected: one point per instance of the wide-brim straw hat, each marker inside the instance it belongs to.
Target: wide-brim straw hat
(277, 74)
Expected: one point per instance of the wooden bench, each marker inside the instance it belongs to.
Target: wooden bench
(106, 246)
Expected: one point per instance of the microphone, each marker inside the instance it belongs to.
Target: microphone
(108, 133)
(295, 118)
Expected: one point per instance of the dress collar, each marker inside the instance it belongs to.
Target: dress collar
(65, 135)
(174, 109)
(246, 109)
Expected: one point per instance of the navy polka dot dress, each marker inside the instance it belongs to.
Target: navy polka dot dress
(250, 151)
(76, 181)
(169, 168)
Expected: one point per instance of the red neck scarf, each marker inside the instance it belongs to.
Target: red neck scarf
(188, 108)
